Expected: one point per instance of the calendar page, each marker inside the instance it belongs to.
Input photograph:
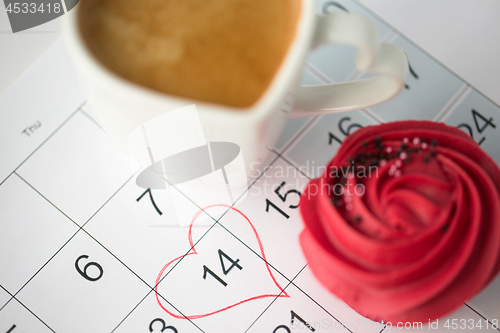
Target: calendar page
(83, 248)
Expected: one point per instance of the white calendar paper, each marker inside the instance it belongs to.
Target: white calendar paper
(84, 249)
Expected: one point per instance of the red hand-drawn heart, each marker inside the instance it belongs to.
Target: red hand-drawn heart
(282, 292)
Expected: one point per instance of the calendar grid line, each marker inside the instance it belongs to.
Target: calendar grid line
(383, 329)
(390, 36)
(50, 202)
(212, 226)
(136, 274)
(109, 199)
(47, 139)
(10, 299)
(258, 255)
(481, 94)
(45, 264)
(375, 117)
(22, 304)
(355, 74)
(172, 305)
(301, 132)
(41, 144)
(251, 184)
(291, 164)
(142, 300)
(317, 73)
(480, 315)
(114, 256)
(274, 300)
(184, 256)
(81, 228)
(262, 172)
(466, 91)
(3, 181)
(241, 241)
(135, 307)
(297, 136)
(248, 187)
(102, 245)
(89, 117)
(217, 223)
(195, 244)
(448, 109)
(312, 299)
(423, 51)
(303, 142)
(184, 195)
(64, 245)
(256, 179)
(175, 265)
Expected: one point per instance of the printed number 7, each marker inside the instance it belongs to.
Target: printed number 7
(283, 198)
(152, 200)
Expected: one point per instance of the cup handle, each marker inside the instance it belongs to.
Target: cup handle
(388, 62)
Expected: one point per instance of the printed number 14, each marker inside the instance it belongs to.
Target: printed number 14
(222, 255)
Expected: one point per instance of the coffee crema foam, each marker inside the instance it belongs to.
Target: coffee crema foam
(219, 51)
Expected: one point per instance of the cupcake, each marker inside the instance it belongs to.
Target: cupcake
(404, 224)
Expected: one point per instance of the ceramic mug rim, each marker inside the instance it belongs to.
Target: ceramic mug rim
(272, 96)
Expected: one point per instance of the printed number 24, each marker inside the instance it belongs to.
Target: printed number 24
(478, 118)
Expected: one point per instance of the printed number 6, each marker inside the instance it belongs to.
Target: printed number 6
(84, 271)
(164, 326)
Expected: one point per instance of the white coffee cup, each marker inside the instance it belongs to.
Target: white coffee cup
(121, 106)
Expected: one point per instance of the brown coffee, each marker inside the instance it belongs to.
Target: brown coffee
(220, 51)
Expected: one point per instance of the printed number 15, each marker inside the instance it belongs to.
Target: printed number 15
(283, 198)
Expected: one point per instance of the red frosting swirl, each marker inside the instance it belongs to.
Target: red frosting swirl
(404, 224)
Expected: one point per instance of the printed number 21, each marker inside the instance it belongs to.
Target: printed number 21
(292, 322)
